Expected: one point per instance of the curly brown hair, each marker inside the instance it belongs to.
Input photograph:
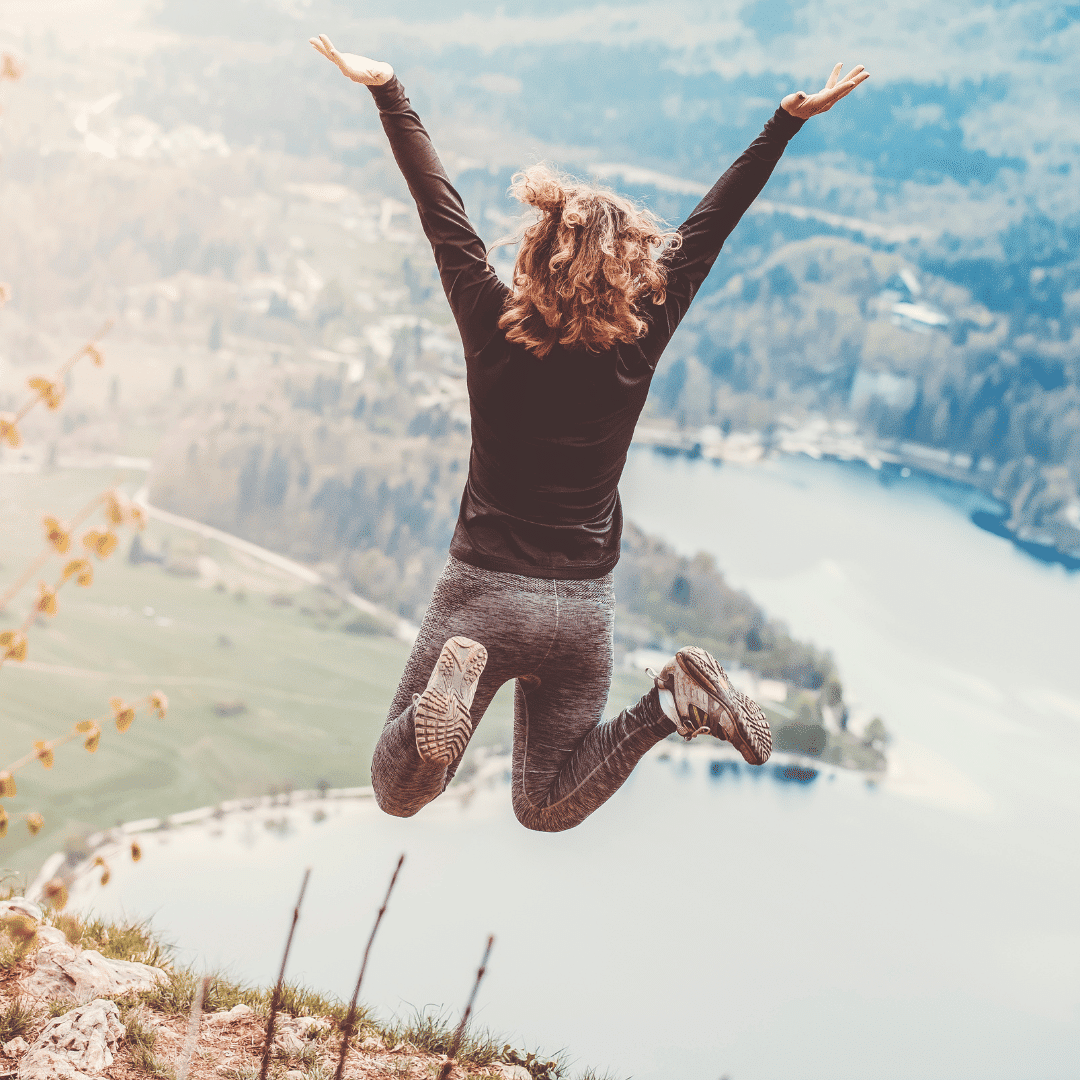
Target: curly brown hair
(584, 266)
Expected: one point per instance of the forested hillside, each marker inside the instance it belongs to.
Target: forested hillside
(179, 160)
(368, 477)
(282, 349)
(825, 326)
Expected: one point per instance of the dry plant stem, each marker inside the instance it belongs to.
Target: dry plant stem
(448, 1064)
(88, 730)
(52, 744)
(62, 740)
(350, 1018)
(65, 367)
(275, 1001)
(30, 571)
(193, 1027)
(43, 558)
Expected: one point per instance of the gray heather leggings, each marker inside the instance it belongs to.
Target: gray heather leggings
(555, 639)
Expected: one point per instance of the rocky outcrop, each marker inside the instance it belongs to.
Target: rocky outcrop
(237, 1012)
(65, 972)
(76, 1046)
(20, 906)
(515, 1072)
(292, 1032)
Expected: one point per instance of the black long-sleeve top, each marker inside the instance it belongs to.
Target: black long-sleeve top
(550, 435)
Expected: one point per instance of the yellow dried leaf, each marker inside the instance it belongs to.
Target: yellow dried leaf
(116, 507)
(10, 68)
(102, 544)
(136, 851)
(57, 534)
(44, 754)
(46, 601)
(35, 823)
(82, 570)
(106, 873)
(52, 393)
(92, 730)
(9, 433)
(7, 786)
(55, 893)
(124, 714)
(159, 703)
(3, 823)
(138, 516)
(95, 354)
(13, 642)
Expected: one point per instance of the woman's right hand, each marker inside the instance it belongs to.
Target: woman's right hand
(360, 69)
(806, 105)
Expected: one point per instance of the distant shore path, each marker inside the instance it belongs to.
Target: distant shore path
(403, 629)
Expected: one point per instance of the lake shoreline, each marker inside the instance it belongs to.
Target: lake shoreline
(890, 458)
(79, 869)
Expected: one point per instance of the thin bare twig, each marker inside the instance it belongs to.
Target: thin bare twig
(87, 730)
(350, 1019)
(49, 551)
(193, 1027)
(275, 1001)
(448, 1064)
(87, 349)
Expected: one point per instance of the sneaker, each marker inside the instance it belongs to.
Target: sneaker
(442, 719)
(707, 704)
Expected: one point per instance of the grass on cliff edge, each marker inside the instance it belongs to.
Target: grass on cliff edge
(427, 1032)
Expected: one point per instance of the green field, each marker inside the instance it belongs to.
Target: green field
(266, 687)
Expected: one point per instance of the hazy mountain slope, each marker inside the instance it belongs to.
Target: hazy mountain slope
(169, 141)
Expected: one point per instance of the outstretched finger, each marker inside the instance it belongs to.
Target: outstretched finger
(318, 46)
(328, 45)
(853, 75)
(842, 91)
(845, 88)
(834, 76)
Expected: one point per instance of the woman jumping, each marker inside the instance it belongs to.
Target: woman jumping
(559, 368)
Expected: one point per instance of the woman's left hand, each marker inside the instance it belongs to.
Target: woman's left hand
(806, 105)
(360, 69)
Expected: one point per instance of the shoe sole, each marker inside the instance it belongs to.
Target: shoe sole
(442, 719)
(741, 719)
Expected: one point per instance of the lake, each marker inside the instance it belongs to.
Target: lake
(706, 922)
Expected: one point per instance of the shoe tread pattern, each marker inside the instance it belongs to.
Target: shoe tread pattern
(738, 719)
(442, 719)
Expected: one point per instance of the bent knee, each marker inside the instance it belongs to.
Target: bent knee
(540, 819)
(389, 802)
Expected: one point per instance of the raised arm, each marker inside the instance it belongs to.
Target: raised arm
(709, 225)
(475, 293)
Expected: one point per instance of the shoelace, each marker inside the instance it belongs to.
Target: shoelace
(681, 727)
